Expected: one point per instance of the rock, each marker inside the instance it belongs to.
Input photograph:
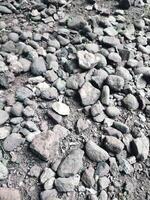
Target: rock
(111, 41)
(4, 81)
(5, 10)
(103, 195)
(71, 164)
(28, 111)
(13, 141)
(121, 127)
(124, 73)
(126, 167)
(89, 94)
(54, 116)
(140, 147)
(88, 177)
(76, 22)
(50, 93)
(131, 102)
(82, 125)
(113, 144)
(112, 111)
(13, 36)
(49, 184)
(67, 184)
(87, 60)
(102, 169)
(99, 77)
(110, 31)
(115, 82)
(4, 132)
(114, 57)
(3, 117)
(125, 4)
(35, 171)
(38, 66)
(104, 182)
(113, 132)
(45, 145)
(23, 93)
(17, 109)
(46, 175)
(3, 172)
(97, 112)
(92, 47)
(10, 194)
(61, 108)
(49, 195)
(95, 153)
(105, 95)
(61, 131)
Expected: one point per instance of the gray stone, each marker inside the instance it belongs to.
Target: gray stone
(110, 31)
(115, 82)
(88, 177)
(112, 111)
(113, 144)
(89, 94)
(102, 169)
(95, 153)
(61, 131)
(105, 95)
(23, 93)
(61, 108)
(17, 109)
(99, 77)
(35, 171)
(5, 10)
(38, 66)
(4, 132)
(3, 117)
(141, 147)
(10, 194)
(82, 125)
(104, 182)
(49, 184)
(46, 175)
(14, 37)
(126, 167)
(54, 116)
(49, 195)
(28, 111)
(76, 22)
(103, 195)
(13, 141)
(131, 102)
(114, 57)
(3, 172)
(124, 73)
(50, 93)
(67, 184)
(51, 76)
(111, 41)
(121, 127)
(113, 132)
(71, 164)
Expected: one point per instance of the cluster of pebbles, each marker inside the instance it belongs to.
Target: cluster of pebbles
(47, 58)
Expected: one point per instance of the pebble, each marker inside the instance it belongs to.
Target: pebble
(5, 10)
(71, 165)
(103, 195)
(114, 57)
(38, 66)
(88, 94)
(115, 82)
(17, 109)
(4, 132)
(67, 184)
(105, 95)
(61, 108)
(46, 175)
(113, 132)
(4, 116)
(121, 127)
(95, 153)
(102, 169)
(3, 171)
(113, 144)
(88, 177)
(10, 194)
(131, 102)
(23, 93)
(103, 182)
(112, 111)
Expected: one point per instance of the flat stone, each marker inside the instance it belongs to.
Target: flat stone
(10, 194)
(71, 164)
(13, 141)
(105, 95)
(113, 144)
(45, 145)
(110, 31)
(3, 117)
(67, 184)
(3, 172)
(89, 94)
(95, 153)
(61, 108)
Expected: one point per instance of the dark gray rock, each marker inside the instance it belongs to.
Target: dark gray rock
(38, 66)
(121, 127)
(113, 144)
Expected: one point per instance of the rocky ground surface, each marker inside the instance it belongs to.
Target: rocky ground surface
(74, 100)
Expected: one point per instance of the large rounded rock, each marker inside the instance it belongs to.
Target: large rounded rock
(71, 164)
(95, 153)
(89, 94)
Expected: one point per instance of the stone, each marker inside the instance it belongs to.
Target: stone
(121, 127)
(49, 184)
(28, 111)
(112, 111)
(131, 102)
(61, 108)
(3, 172)
(49, 195)
(82, 125)
(111, 41)
(126, 167)
(99, 77)
(110, 31)
(71, 164)
(23, 93)
(67, 184)
(92, 47)
(87, 60)
(38, 66)
(125, 4)
(13, 141)
(124, 73)
(115, 82)
(102, 169)
(114, 57)
(113, 144)
(13, 36)
(4, 116)
(103, 195)
(17, 109)
(4, 132)
(47, 174)
(49, 94)
(140, 147)
(54, 116)
(95, 153)
(76, 22)
(61, 131)
(104, 182)
(5, 10)
(88, 94)
(10, 194)
(105, 95)
(88, 177)
(35, 171)
(113, 132)
(45, 145)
